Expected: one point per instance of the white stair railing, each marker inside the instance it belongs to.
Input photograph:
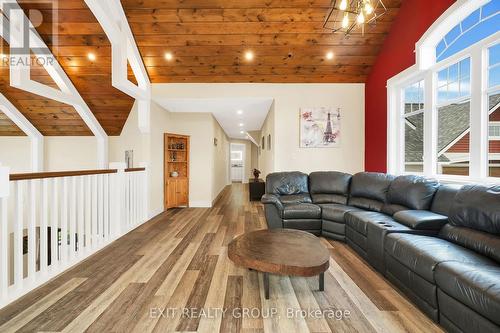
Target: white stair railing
(52, 221)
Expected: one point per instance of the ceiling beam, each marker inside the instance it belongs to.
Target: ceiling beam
(14, 24)
(35, 136)
(112, 18)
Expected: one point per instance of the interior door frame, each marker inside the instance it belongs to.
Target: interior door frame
(244, 179)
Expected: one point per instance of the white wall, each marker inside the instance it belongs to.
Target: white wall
(288, 99)
(221, 160)
(61, 153)
(15, 153)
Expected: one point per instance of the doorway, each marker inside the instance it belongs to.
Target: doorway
(237, 155)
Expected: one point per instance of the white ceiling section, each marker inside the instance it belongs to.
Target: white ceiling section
(225, 110)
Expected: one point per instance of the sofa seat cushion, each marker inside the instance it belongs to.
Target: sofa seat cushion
(358, 220)
(336, 212)
(303, 224)
(421, 254)
(477, 286)
(302, 211)
(295, 198)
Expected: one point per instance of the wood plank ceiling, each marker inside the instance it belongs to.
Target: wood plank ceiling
(208, 40)
(78, 34)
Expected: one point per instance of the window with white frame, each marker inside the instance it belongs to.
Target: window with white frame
(453, 119)
(447, 105)
(493, 91)
(413, 117)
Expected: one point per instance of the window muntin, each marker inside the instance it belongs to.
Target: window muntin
(494, 66)
(454, 82)
(413, 122)
(480, 24)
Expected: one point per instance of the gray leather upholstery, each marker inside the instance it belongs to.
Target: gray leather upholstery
(336, 212)
(440, 244)
(413, 192)
(444, 198)
(302, 211)
(295, 198)
(421, 219)
(329, 187)
(287, 183)
(369, 190)
(476, 286)
(358, 220)
(421, 254)
(478, 241)
(477, 207)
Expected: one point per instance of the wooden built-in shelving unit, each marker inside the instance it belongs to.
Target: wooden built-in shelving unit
(176, 159)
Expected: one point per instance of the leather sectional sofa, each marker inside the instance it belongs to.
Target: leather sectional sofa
(439, 244)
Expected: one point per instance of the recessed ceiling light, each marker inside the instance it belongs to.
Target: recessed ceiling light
(239, 112)
(249, 55)
(241, 124)
(241, 132)
(91, 56)
(169, 56)
(330, 55)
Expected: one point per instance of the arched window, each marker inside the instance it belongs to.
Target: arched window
(444, 115)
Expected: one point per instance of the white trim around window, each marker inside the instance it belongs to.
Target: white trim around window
(426, 69)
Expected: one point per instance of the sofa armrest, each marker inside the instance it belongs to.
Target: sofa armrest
(273, 200)
(421, 219)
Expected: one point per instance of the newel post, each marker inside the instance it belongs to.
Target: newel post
(118, 218)
(4, 194)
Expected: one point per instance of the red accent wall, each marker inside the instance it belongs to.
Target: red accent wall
(397, 54)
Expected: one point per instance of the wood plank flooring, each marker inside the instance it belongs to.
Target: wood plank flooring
(172, 274)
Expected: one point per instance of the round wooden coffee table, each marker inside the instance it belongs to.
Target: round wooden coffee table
(280, 251)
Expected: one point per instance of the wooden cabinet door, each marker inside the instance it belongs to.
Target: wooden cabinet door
(171, 193)
(182, 192)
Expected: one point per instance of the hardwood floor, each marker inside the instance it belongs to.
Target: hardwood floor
(172, 274)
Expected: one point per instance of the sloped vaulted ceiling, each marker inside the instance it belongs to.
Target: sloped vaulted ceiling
(78, 34)
(207, 38)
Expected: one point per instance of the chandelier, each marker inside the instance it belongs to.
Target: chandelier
(347, 16)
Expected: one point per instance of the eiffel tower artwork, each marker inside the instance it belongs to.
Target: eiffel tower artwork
(320, 127)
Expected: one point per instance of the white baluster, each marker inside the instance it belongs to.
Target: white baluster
(54, 225)
(88, 213)
(72, 220)
(95, 234)
(4, 247)
(44, 211)
(18, 235)
(32, 230)
(106, 207)
(64, 222)
(81, 214)
(100, 202)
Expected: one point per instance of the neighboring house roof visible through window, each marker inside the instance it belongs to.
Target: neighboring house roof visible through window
(456, 118)
(480, 24)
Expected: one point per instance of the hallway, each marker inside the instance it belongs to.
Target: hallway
(172, 274)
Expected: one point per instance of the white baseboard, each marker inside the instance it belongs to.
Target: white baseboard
(155, 212)
(200, 204)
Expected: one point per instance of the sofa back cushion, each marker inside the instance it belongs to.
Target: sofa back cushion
(287, 183)
(369, 190)
(477, 207)
(478, 241)
(410, 193)
(444, 198)
(329, 187)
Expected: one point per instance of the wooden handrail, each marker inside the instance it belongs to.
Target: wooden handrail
(135, 169)
(42, 175)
